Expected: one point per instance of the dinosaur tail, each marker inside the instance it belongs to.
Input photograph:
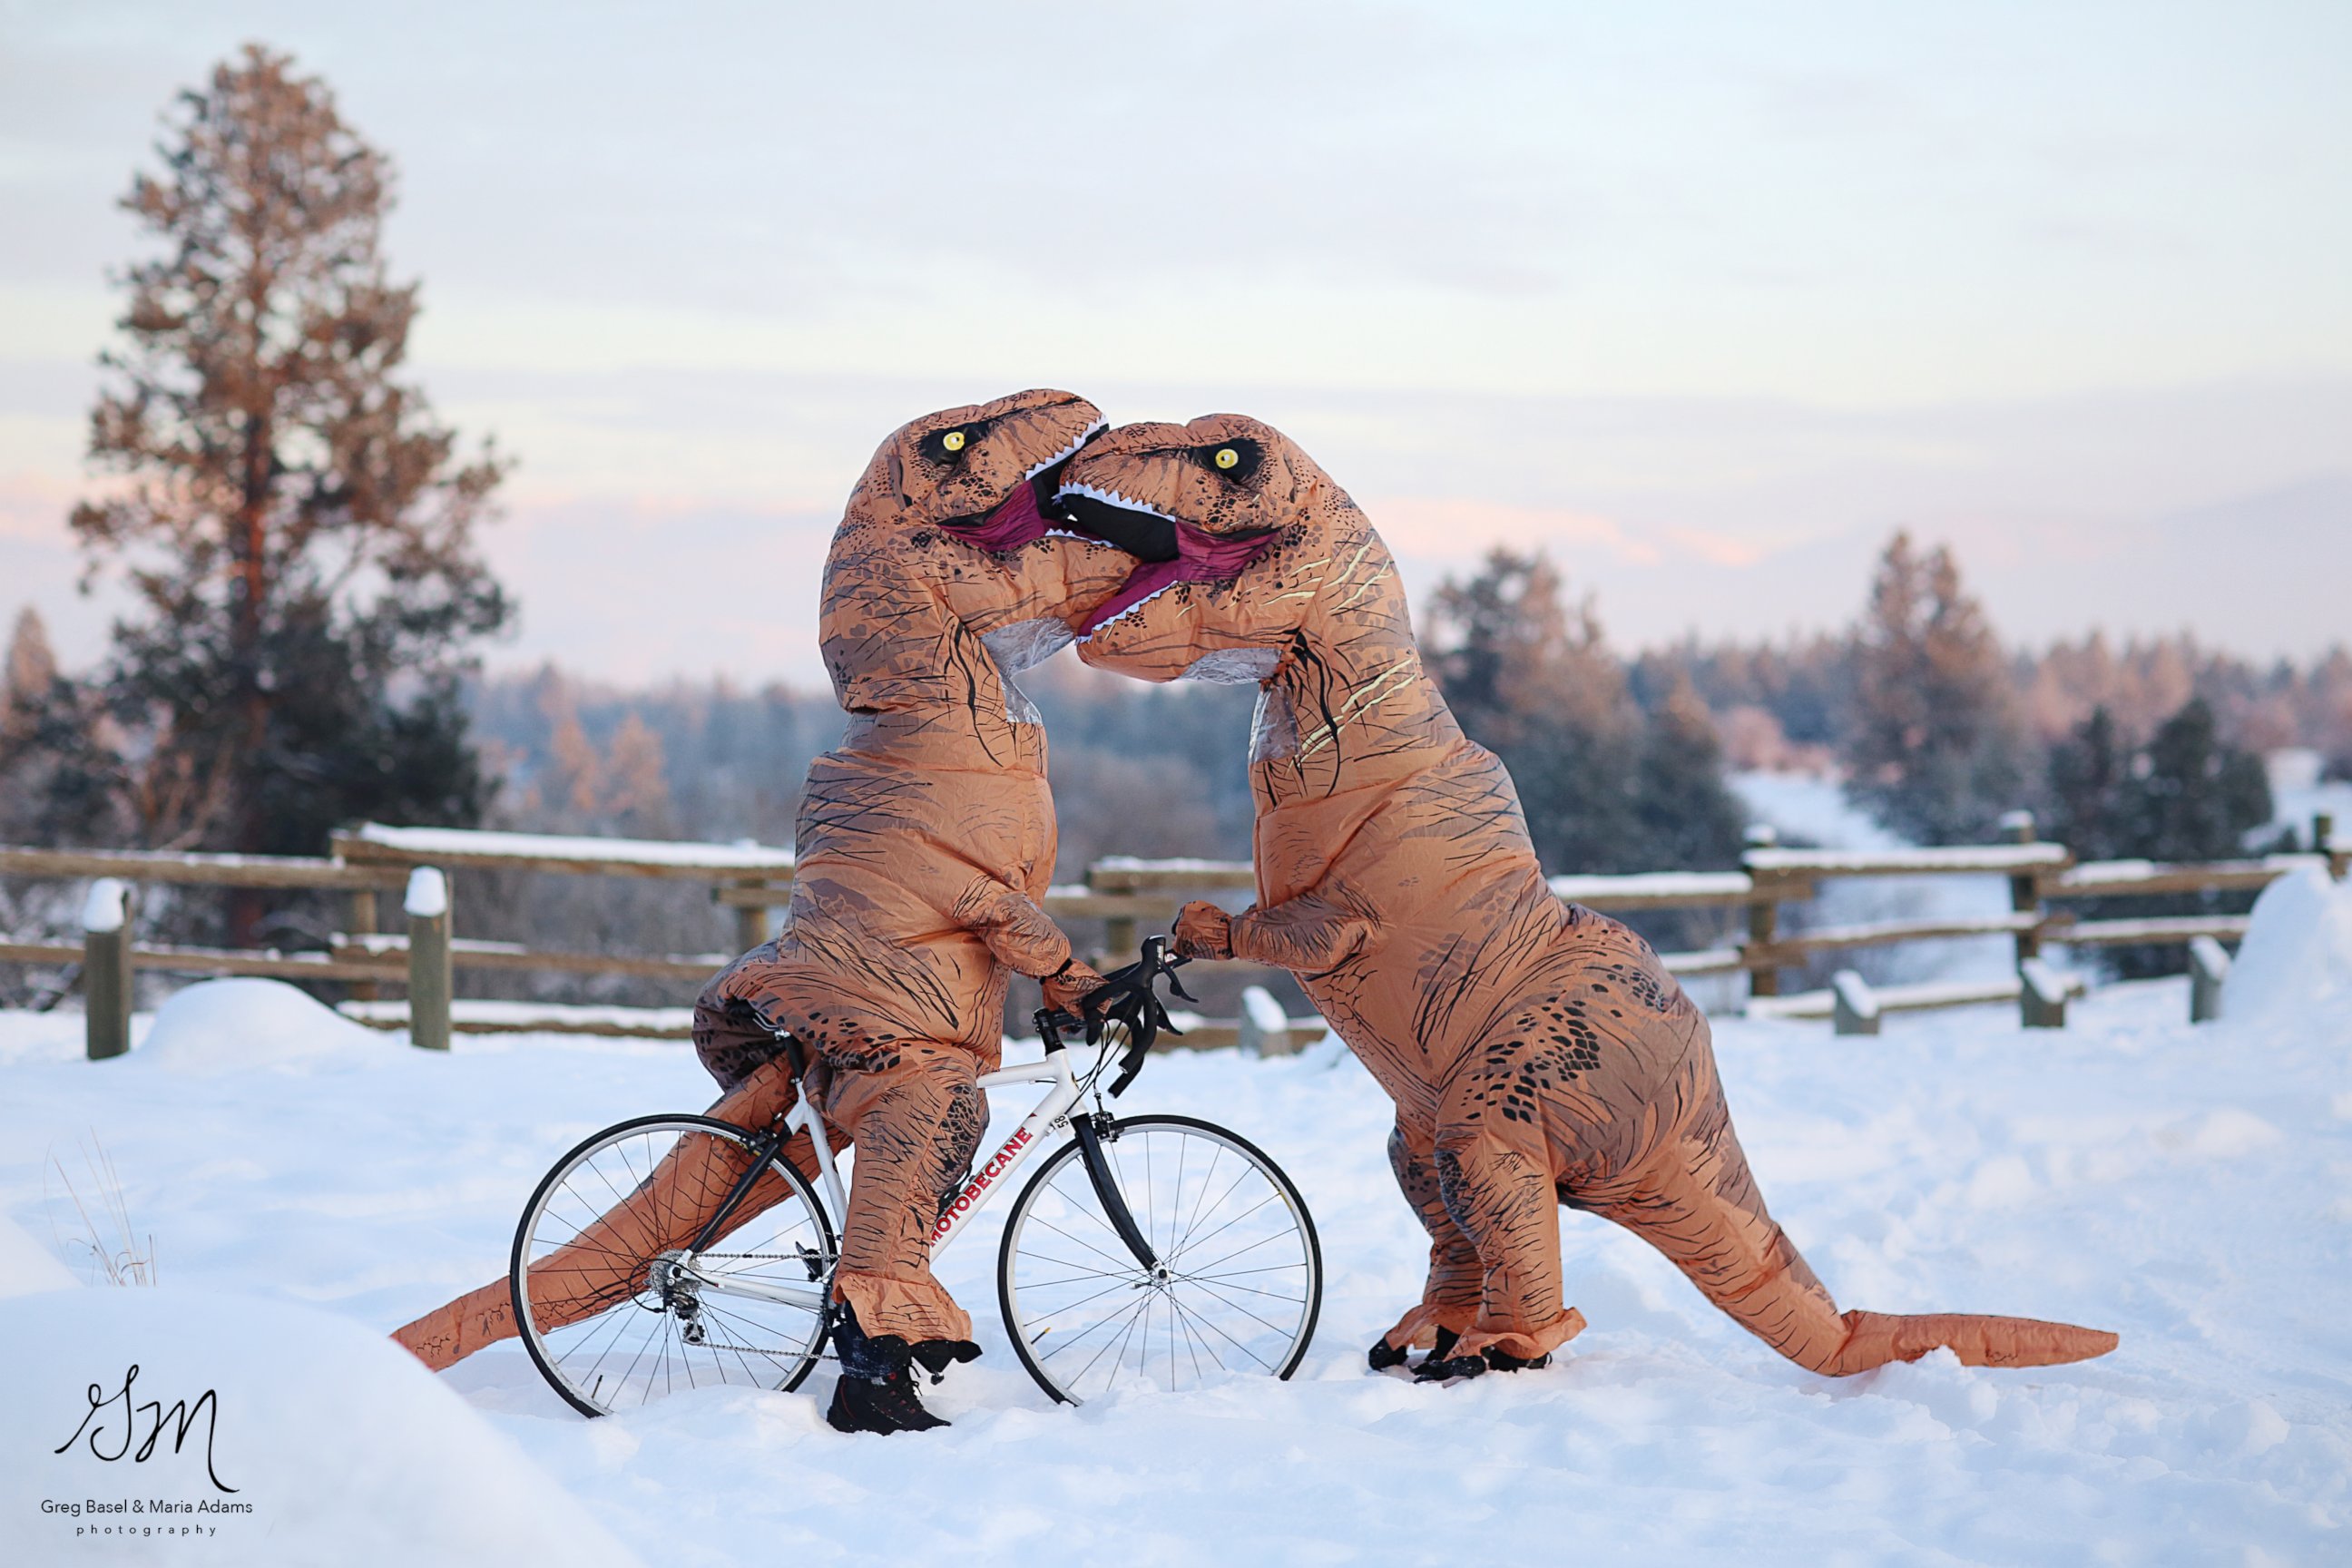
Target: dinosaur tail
(449, 1333)
(1874, 1339)
(607, 1261)
(1700, 1206)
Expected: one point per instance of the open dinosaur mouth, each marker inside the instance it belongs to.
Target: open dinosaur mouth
(1147, 535)
(1022, 517)
(1167, 550)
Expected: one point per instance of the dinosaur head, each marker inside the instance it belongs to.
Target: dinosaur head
(1252, 565)
(1195, 504)
(947, 547)
(985, 472)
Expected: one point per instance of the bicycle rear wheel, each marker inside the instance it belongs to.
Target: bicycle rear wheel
(607, 1312)
(1236, 1284)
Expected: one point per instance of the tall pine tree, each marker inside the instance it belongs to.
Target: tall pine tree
(2087, 772)
(2185, 795)
(1936, 745)
(297, 528)
(2196, 797)
(1604, 787)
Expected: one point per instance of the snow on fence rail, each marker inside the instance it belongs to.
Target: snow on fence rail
(1122, 891)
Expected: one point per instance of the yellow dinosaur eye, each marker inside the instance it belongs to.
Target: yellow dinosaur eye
(1227, 457)
(952, 440)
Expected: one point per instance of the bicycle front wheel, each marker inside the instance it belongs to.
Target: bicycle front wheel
(615, 1310)
(1235, 1283)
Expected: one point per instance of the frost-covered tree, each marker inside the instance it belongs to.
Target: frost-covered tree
(1934, 746)
(57, 766)
(1530, 679)
(297, 528)
(1604, 787)
(1689, 819)
(32, 668)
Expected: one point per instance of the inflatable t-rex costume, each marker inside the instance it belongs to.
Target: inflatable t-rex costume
(924, 841)
(1538, 1053)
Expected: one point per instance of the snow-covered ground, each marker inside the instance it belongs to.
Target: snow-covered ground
(310, 1185)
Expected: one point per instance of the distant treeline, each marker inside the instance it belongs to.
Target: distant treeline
(1619, 760)
(2148, 749)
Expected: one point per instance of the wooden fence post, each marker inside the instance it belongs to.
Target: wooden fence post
(2209, 967)
(363, 920)
(751, 928)
(2025, 888)
(429, 980)
(1121, 941)
(1854, 1007)
(2041, 998)
(2322, 839)
(1763, 916)
(106, 972)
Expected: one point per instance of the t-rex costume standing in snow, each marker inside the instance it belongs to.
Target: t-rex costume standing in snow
(1538, 1053)
(924, 841)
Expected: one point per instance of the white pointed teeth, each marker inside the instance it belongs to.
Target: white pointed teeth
(1110, 498)
(1071, 451)
(1131, 610)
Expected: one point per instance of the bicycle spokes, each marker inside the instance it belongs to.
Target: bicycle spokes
(618, 1312)
(1234, 1287)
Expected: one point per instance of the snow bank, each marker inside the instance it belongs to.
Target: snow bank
(27, 1267)
(2298, 951)
(2183, 1185)
(229, 1026)
(347, 1450)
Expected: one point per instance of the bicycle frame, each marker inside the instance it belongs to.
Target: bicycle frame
(987, 1177)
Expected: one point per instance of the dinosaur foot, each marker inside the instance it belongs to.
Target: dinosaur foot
(1448, 1368)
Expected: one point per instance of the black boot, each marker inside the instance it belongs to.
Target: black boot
(1384, 1356)
(876, 1390)
(1443, 1367)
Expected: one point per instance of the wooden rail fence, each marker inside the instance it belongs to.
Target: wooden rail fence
(1125, 893)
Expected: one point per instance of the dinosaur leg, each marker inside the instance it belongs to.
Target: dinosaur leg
(604, 1263)
(1495, 1182)
(1699, 1203)
(917, 1121)
(1449, 1301)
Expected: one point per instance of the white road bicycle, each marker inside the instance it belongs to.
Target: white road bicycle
(1158, 1247)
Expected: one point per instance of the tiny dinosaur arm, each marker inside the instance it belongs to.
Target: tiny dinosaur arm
(1307, 935)
(1022, 936)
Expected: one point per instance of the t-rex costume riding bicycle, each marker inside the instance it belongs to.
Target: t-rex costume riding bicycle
(924, 841)
(1538, 1053)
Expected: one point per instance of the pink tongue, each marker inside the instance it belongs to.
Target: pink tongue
(1200, 558)
(1016, 522)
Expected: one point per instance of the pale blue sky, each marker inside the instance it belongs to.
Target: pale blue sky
(1706, 298)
